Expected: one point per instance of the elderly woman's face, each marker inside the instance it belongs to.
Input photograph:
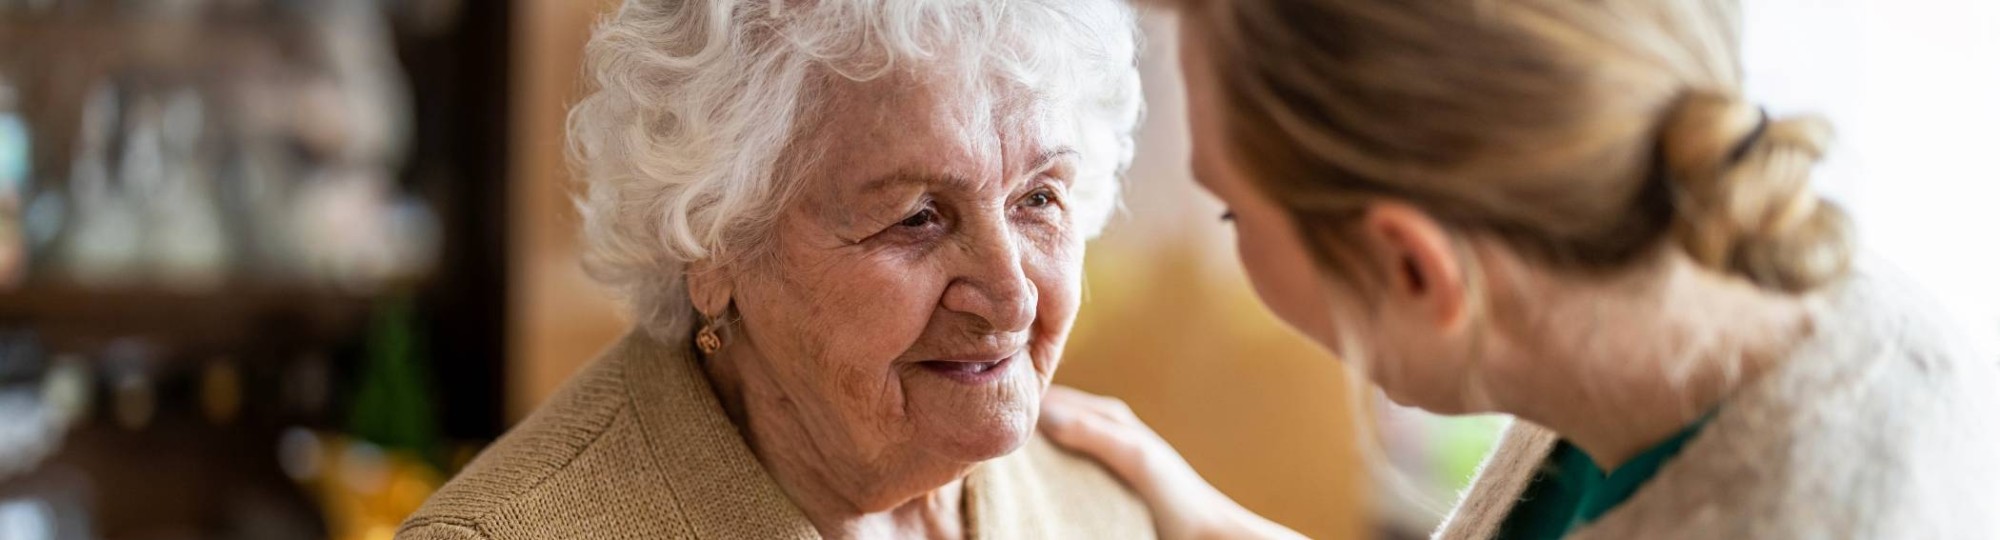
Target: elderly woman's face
(918, 290)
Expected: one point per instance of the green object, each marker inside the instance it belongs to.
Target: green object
(1460, 444)
(1572, 491)
(392, 406)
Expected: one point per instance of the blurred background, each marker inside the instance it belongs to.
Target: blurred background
(277, 268)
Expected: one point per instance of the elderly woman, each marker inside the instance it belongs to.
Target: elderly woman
(851, 233)
(1567, 211)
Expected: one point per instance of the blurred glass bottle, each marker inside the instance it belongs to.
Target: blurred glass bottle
(189, 251)
(103, 247)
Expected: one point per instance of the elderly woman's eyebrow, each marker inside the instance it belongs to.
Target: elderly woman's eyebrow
(909, 176)
(1049, 159)
(1043, 163)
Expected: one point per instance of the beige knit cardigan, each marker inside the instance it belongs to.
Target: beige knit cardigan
(1885, 424)
(637, 446)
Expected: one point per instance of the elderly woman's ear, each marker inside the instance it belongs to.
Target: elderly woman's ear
(709, 287)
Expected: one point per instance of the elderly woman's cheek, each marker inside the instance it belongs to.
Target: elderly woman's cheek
(1056, 270)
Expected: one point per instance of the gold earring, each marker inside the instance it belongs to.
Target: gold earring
(707, 339)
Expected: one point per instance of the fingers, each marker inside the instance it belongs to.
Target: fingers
(1106, 430)
(1077, 418)
(1103, 441)
(1109, 407)
(1081, 424)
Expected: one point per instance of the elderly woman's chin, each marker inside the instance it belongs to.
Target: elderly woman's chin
(973, 411)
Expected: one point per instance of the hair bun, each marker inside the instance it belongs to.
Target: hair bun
(1743, 199)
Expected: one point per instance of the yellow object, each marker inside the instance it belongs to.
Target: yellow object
(366, 491)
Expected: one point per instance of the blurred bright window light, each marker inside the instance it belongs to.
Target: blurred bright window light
(1913, 89)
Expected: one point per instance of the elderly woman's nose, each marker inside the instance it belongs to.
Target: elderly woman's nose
(992, 284)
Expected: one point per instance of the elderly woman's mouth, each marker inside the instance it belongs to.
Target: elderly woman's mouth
(969, 371)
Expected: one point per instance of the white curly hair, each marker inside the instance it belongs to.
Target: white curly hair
(682, 147)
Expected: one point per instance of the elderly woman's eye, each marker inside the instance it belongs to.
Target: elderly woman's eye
(1039, 199)
(922, 218)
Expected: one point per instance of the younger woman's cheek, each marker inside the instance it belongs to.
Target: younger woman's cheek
(1281, 273)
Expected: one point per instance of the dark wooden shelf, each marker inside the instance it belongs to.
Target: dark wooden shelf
(75, 319)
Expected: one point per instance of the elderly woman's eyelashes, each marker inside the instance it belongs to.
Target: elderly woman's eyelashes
(1041, 206)
(1042, 199)
(925, 224)
(922, 218)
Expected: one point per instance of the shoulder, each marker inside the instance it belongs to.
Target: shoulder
(578, 459)
(1873, 428)
(1067, 471)
(439, 531)
(1889, 370)
(1881, 311)
(1042, 491)
(1898, 410)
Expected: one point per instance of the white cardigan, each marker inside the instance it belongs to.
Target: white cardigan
(1885, 424)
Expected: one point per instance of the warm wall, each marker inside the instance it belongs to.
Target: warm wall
(560, 318)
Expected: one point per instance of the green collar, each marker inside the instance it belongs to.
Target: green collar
(1606, 491)
(1571, 490)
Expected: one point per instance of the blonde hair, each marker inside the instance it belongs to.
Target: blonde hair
(687, 145)
(1584, 134)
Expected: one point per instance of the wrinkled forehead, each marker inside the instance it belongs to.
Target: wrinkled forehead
(925, 117)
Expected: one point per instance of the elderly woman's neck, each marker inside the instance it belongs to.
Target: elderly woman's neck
(842, 500)
(1619, 366)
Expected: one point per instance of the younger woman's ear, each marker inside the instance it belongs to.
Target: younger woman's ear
(709, 287)
(1416, 255)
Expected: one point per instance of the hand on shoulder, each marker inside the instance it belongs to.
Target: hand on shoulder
(1184, 505)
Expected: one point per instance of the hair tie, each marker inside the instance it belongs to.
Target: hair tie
(1743, 146)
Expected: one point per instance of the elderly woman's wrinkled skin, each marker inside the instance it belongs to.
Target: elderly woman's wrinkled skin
(904, 319)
